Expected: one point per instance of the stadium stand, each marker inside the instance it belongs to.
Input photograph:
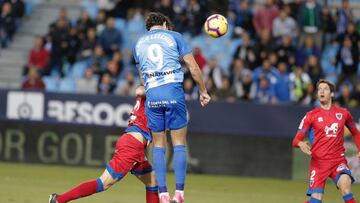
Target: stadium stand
(258, 59)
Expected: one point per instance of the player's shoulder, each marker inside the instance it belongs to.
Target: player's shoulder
(340, 109)
(314, 111)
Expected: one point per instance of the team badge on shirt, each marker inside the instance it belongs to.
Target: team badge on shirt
(320, 119)
(339, 116)
(342, 167)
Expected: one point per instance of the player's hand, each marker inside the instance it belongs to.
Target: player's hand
(305, 147)
(204, 98)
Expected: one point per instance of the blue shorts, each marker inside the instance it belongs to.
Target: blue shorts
(166, 107)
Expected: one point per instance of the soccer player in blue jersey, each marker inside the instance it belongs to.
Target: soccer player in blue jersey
(158, 54)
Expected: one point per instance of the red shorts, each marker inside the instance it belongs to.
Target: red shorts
(320, 170)
(129, 156)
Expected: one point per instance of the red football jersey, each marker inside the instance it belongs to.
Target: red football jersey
(328, 128)
(137, 116)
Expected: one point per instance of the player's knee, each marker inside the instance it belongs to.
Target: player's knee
(317, 196)
(345, 190)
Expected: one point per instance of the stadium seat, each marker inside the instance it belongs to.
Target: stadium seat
(67, 84)
(51, 83)
(78, 69)
(91, 7)
(120, 24)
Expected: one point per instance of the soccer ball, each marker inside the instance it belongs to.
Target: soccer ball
(216, 25)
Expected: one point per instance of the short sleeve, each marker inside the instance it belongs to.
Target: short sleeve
(182, 46)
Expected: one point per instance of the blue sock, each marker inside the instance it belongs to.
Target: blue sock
(180, 166)
(313, 200)
(100, 185)
(152, 189)
(160, 167)
(348, 197)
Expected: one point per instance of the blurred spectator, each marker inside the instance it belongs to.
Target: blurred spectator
(264, 92)
(118, 58)
(199, 58)
(345, 97)
(194, 17)
(87, 84)
(98, 60)
(309, 96)
(312, 67)
(107, 6)
(110, 38)
(348, 58)
(226, 92)
(112, 68)
(38, 56)
(350, 33)
(309, 19)
(83, 24)
(189, 90)
(106, 84)
(243, 19)
(74, 45)
(357, 95)
(265, 70)
(245, 52)
(62, 16)
(100, 22)
(165, 7)
(7, 24)
(344, 16)
(246, 88)
(213, 71)
(282, 86)
(211, 88)
(284, 25)
(328, 26)
(299, 80)
(122, 8)
(309, 49)
(286, 51)
(263, 17)
(18, 8)
(127, 87)
(264, 47)
(59, 45)
(273, 58)
(88, 44)
(33, 81)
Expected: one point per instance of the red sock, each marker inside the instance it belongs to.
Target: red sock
(352, 200)
(152, 195)
(82, 190)
(307, 201)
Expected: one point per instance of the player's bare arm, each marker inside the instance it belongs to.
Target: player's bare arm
(197, 76)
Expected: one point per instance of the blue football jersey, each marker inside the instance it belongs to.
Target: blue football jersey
(157, 53)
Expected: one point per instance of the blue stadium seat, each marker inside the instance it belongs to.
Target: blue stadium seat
(91, 7)
(67, 84)
(120, 24)
(51, 83)
(78, 69)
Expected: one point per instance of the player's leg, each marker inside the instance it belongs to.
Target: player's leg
(317, 178)
(344, 185)
(178, 138)
(342, 177)
(85, 189)
(176, 120)
(143, 171)
(159, 163)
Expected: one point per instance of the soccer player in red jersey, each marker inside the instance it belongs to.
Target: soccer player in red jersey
(327, 144)
(129, 157)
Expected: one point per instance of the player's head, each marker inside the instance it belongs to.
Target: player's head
(158, 19)
(140, 91)
(325, 90)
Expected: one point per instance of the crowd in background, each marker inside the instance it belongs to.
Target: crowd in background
(273, 53)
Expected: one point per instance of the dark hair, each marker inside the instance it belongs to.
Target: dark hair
(331, 86)
(155, 18)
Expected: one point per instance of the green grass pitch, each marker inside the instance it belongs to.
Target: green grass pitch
(27, 183)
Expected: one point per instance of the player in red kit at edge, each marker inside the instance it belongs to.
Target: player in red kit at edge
(129, 156)
(327, 145)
